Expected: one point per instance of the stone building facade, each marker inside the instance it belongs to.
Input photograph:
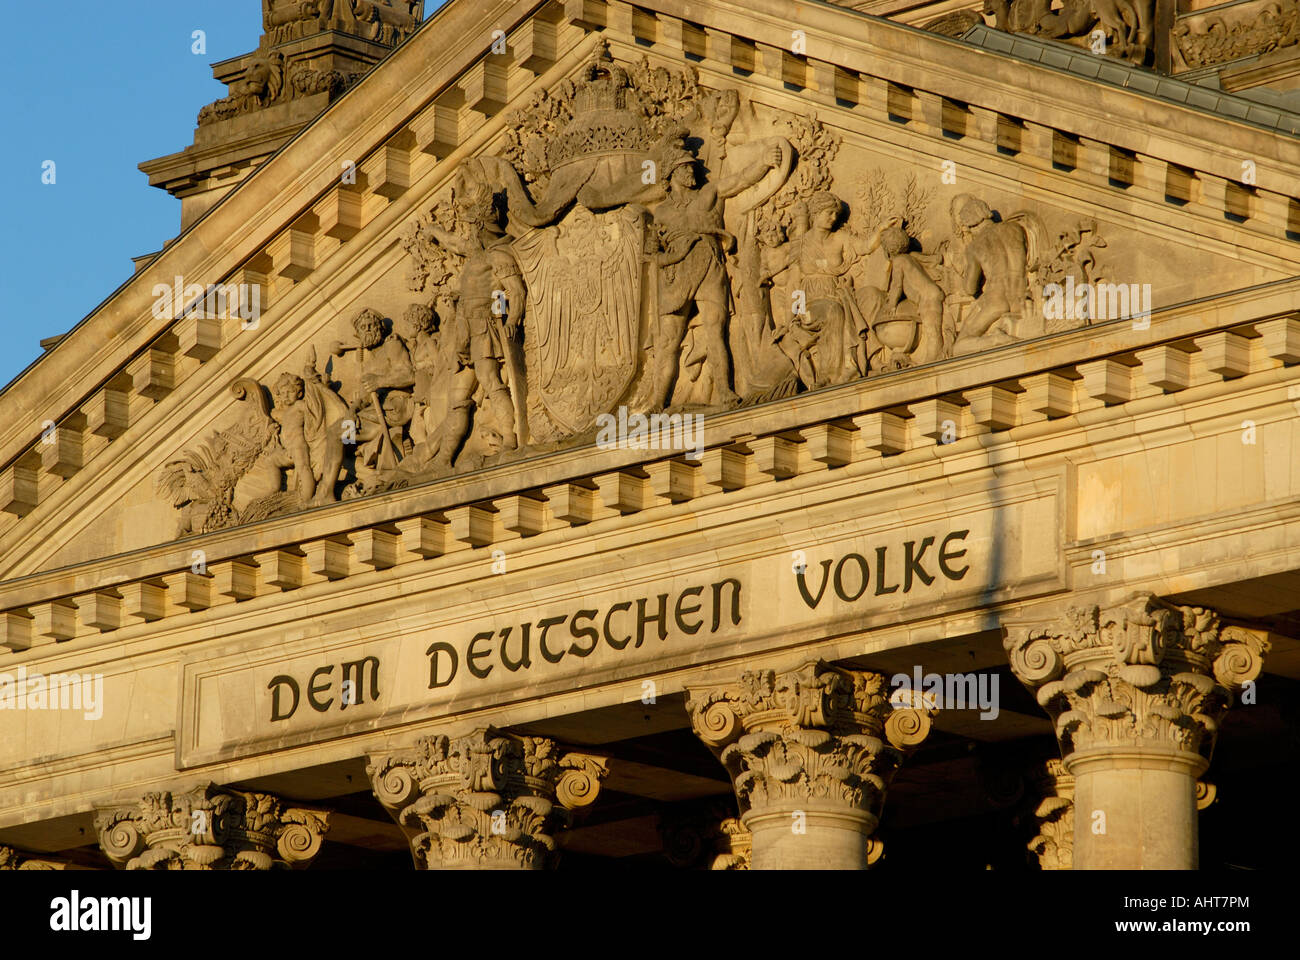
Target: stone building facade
(721, 435)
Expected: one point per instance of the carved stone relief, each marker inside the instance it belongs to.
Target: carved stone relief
(1128, 26)
(386, 21)
(640, 241)
(268, 78)
(1209, 39)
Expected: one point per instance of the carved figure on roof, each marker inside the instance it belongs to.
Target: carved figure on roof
(1128, 25)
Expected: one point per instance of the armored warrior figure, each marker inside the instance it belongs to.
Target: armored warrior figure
(692, 272)
(491, 304)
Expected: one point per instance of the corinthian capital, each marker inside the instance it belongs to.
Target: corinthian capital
(210, 828)
(489, 799)
(1144, 674)
(810, 735)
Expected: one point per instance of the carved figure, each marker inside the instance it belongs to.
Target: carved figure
(1128, 24)
(598, 159)
(238, 475)
(491, 302)
(384, 366)
(311, 418)
(693, 276)
(387, 21)
(821, 333)
(908, 323)
(989, 267)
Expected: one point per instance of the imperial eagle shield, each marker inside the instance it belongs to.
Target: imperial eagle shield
(583, 319)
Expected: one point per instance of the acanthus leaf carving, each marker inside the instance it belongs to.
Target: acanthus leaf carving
(210, 828)
(1142, 674)
(488, 798)
(816, 734)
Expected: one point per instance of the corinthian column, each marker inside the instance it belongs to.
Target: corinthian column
(811, 753)
(1137, 692)
(210, 828)
(490, 800)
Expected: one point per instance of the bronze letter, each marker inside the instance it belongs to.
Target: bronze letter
(661, 617)
(839, 576)
(913, 564)
(880, 573)
(584, 632)
(358, 667)
(617, 645)
(803, 586)
(735, 602)
(541, 641)
(525, 659)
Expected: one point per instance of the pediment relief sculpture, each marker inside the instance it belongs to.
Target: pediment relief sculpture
(643, 242)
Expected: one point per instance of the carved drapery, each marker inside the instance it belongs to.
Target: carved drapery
(486, 800)
(210, 828)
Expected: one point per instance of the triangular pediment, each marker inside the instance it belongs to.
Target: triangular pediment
(624, 210)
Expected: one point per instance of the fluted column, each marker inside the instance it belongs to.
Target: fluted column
(811, 753)
(489, 800)
(210, 828)
(1136, 692)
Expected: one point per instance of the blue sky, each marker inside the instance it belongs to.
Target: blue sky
(97, 88)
